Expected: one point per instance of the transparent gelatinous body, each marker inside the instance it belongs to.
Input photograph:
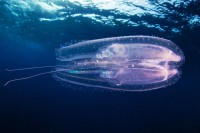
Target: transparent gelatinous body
(129, 63)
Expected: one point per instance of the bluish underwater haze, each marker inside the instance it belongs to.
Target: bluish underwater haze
(31, 31)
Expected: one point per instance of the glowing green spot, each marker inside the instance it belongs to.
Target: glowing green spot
(73, 71)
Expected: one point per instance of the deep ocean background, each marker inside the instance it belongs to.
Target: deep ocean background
(30, 31)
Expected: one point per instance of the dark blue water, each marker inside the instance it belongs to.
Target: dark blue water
(30, 31)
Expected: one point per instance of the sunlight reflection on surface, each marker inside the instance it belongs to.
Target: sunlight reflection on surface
(106, 12)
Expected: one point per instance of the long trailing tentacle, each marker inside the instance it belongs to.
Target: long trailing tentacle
(60, 70)
(36, 75)
(68, 70)
(32, 68)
